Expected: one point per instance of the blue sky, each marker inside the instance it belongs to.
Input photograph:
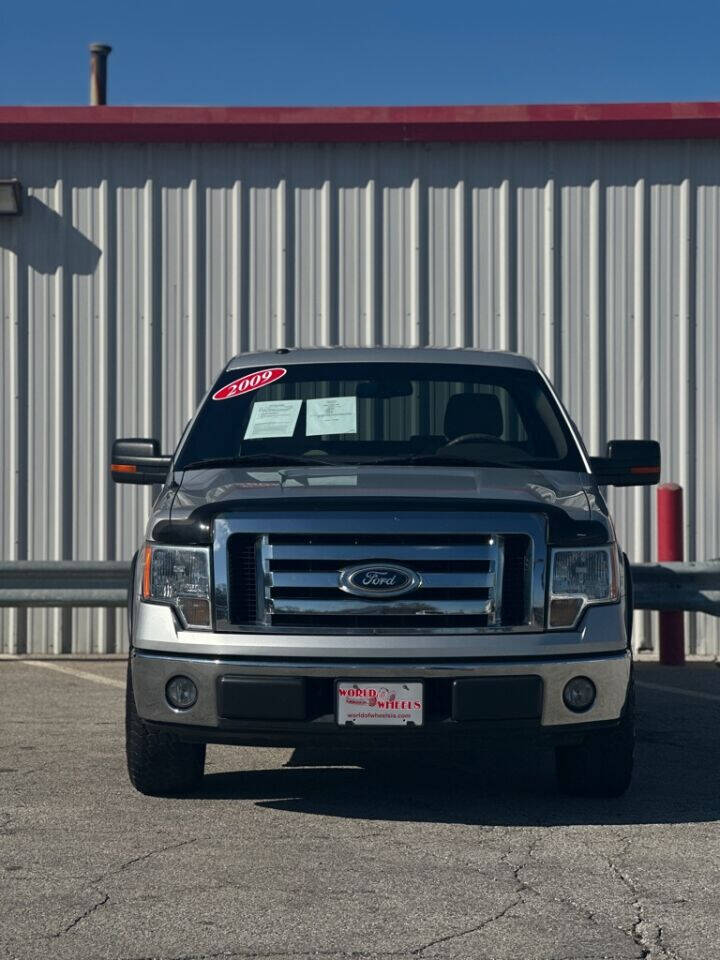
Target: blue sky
(370, 52)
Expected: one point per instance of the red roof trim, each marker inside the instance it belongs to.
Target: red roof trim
(621, 121)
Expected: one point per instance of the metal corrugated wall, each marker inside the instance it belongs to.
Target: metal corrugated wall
(137, 270)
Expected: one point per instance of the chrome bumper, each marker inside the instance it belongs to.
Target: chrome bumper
(601, 631)
(151, 671)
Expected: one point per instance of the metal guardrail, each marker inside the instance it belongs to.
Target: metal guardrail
(64, 583)
(693, 587)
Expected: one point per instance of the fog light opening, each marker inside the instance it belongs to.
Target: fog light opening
(579, 694)
(181, 693)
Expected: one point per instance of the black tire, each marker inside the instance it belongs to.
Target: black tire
(629, 601)
(159, 763)
(602, 765)
(131, 594)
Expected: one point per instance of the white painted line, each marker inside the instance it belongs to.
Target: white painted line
(697, 694)
(82, 674)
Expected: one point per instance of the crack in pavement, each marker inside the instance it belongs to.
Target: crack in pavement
(464, 933)
(498, 915)
(112, 873)
(346, 954)
(648, 936)
(145, 856)
(83, 916)
(411, 952)
(653, 948)
(523, 885)
(269, 954)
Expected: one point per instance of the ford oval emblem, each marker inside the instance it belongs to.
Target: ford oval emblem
(379, 580)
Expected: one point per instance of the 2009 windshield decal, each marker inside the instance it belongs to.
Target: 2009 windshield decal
(253, 381)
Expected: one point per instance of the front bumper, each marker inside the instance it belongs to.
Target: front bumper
(151, 671)
(601, 630)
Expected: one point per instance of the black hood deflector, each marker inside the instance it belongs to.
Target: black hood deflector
(563, 530)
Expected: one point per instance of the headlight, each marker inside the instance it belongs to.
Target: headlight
(180, 577)
(580, 578)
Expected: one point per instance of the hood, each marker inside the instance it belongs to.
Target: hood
(202, 494)
(201, 488)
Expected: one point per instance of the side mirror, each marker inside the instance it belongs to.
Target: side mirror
(137, 460)
(629, 463)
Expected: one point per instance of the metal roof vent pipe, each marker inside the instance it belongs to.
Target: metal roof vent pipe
(98, 73)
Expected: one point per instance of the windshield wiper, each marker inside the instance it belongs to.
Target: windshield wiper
(257, 460)
(287, 460)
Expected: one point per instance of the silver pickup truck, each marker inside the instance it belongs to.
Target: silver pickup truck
(375, 548)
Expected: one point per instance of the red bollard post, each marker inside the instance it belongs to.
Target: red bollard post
(670, 547)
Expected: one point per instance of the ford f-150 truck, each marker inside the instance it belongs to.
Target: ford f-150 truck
(380, 548)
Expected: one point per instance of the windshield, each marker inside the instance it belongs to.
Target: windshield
(341, 413)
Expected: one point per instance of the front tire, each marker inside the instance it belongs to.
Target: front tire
(159, 763)
(602, 765)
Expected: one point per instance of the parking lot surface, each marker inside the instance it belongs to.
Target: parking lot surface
(294, 854)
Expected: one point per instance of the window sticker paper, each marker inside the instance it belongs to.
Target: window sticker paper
(273, 418)
(331, 415)
(253, 381)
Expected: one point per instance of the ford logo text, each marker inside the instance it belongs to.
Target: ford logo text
(379, 580)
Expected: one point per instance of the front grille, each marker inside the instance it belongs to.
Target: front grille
(459, 582)
(283, 574)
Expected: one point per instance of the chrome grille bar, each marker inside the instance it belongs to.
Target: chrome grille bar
(344, 553)
(355, 607)
(328, 579)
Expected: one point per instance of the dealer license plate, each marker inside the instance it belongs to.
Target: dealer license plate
(380, 703)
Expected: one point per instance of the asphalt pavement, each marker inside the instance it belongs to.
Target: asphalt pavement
(288, 854)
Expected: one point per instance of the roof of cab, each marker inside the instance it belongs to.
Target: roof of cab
(288, 357)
